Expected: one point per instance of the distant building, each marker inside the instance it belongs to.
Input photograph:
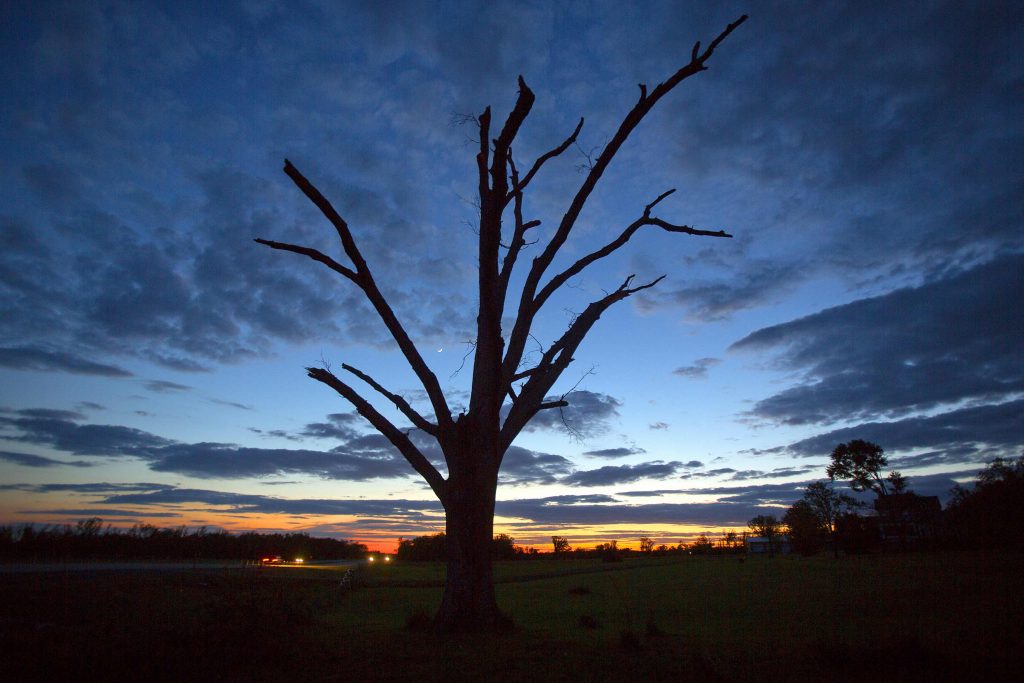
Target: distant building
(759, 545)
(907, 518)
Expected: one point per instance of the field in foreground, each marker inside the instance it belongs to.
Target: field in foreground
(949, 616)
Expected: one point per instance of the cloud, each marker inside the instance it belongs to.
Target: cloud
(99, 512)
(163, 386)
(338, 426)
(228, 461)
(358, 458)
(540, 511)
(699, 369)
(94, 440)
(916, 348)
(658, 426)
(251, 503)
(957, 435)
(34, 358)
(29, 460)
(620, 452)
(621, 474)
(587, 414)
(773, 474)
(522, 466)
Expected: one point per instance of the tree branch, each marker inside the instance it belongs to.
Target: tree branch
(364, 278)
(547, 156)
(398, 438)
(627, 234)
(418, 420)
(527, 308)
(558, 357)
(313, 254)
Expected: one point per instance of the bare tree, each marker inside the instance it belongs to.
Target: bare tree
(475, 442)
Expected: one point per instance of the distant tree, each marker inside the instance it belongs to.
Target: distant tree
(703, 545)
(560, 545)
(431, 548)
(503, 547)
(646, 544)
(806, 533)
(991, 513)
(861, 462)
(729, 539)
(508, 387)
(609, 552)
(768, 527)
(827, 506)
(897, 482)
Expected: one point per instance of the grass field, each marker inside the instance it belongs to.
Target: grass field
(948, 616)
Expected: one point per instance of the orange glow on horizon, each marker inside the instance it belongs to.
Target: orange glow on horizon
(383, 540)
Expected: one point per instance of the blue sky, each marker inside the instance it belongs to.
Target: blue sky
(866, 157)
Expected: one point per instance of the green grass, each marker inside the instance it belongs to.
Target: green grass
(906, 617)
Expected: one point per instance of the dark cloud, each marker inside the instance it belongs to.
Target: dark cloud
(88, 439)
(250, 503)
(359, 456)
(658, 426)
(33, 358)
(230, 404)
(338, 426)
(91, 488)
(539, 511)
(755, 285)
(99, 512)
(759, 494)
(717, 472)
(228, 461)
(776, 473)
(916, 348)
(956, 435)
(621, 474)
(699, 369)
(29, 460)
(839, 135)
(620, 452)
(523, 466)
(163, 386)
(587, 414)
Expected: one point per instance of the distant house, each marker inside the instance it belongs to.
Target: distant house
(759, 545)
(907, 518)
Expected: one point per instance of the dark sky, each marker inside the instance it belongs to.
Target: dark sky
(868, 157)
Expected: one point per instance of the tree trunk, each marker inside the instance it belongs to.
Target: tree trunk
(469, 603)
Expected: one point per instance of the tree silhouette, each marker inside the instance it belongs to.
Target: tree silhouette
(768, 527)
(505, 394)
(806, 534)
(861, 462)
(828, 506)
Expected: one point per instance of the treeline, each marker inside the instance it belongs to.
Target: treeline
(90, 539)
(433, 548)
(986, 515)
